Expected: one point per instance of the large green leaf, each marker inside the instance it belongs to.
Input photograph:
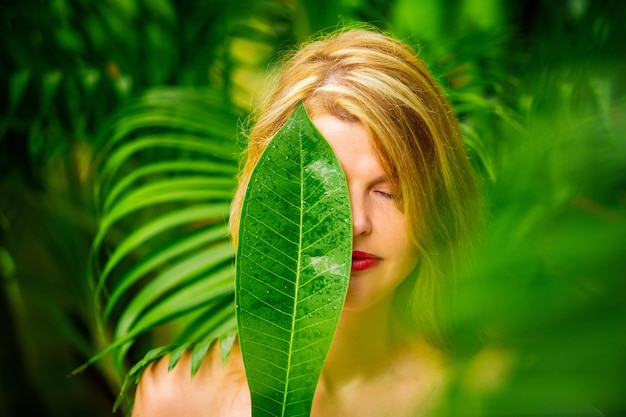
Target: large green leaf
(293, 267)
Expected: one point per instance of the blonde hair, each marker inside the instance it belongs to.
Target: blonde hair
(366, 76)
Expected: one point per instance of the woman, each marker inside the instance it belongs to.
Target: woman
(415, 211)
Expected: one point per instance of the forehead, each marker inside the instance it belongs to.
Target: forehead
(353, 145)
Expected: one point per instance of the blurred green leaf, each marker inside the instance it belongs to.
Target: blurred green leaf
(17, 86)
(68, 38)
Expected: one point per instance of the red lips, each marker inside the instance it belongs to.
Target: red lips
(362, 261)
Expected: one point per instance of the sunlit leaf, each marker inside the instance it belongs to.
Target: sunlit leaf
(194, 291)
(151, 263)
(207, 168)
(160, 225)
(293, 266)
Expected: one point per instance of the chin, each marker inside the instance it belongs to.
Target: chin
(361, 300)
(355, 304)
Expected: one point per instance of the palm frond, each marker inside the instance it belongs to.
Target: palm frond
(161, 256)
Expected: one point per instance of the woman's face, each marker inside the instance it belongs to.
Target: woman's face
(383, 255)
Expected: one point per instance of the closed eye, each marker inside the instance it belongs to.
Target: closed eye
(384, 194)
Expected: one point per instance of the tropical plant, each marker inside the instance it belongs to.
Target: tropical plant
(167, 180)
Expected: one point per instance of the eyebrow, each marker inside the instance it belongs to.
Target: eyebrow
(394, 184)
(380, 179)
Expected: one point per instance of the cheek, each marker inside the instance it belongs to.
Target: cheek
(395, 226)
(407, 253)
(400, 244)
(410, 260)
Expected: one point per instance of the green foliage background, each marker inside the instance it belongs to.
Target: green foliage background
(538, 85)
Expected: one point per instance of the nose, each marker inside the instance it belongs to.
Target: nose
(361, 222)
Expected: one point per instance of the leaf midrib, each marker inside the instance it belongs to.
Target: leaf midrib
(299, 262)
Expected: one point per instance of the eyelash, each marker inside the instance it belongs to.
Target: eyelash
(386, 195)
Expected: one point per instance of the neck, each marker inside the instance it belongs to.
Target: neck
(362, 342)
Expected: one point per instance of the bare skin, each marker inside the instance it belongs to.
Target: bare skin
(367, 372)
(401, 383)
(216, 390)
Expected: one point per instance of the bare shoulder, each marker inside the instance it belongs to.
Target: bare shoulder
(216, 390)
